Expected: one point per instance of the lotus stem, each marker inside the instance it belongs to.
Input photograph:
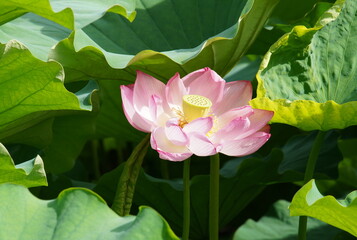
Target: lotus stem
(214, 198)
(95, 158)
(186, 199)
(309, 173)
(165, 174)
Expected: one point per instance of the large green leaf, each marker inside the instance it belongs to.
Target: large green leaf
(29, 174)
(40, 34)
(75, 214)
(37, 33)
(60, 139)
(309, 78)
(165, 38)
(278, 225)
(33, 90)
(308, 201)
(90, 60)
(70, 14)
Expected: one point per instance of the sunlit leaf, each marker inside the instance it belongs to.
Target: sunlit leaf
(308, 201)
(278, 225)
(308, 78)
(37, 33)
(39, 28)
(70, 14)
(33, 90)
(29, 174)
(75, 214)
(60, 138)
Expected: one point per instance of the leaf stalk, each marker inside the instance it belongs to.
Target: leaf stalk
(309, 173)
(186, 199)
(214, 198)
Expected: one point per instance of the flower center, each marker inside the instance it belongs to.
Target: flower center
(195, 106)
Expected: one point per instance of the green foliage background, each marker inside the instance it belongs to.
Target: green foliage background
(64, 136)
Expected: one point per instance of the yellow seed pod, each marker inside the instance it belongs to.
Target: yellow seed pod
(195, 106)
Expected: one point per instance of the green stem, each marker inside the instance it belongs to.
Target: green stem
(302, 227)
(165, 169)
(186, 199)
(214, 198)
(95, 146)
(309, 173)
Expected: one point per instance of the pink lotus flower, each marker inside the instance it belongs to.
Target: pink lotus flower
(199, 114)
